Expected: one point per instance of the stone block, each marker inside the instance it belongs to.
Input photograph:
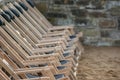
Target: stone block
(42, 7)
(105, 33)
(79, 12)
(104, 43)
(91, 32)
(83, 2)
(91, 40)
(59, 2)
(97, 14)
(108, 23)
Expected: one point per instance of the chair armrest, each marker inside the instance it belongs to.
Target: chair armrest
(49, 43)
(44, 40)
(43, 57)
(65, 33)
(42, 50)
(30, 70)
(53, 43)
(49, 39)
(61, 27)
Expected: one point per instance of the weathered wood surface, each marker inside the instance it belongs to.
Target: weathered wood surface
(31, 45)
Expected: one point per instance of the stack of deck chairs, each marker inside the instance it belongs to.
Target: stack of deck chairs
(33, 49)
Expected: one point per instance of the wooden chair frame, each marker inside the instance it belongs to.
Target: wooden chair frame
(23, 43)
(28, 48)
(23, 63)
(25, 31)
(23, 53)
(29, 18)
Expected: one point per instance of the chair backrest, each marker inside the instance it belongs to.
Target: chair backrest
(23, 30)
(9, 28)
(3, 32)
(37, 12)
(23, 26)
(6, 67)
(12, 42)
(37, 16)
(35, 23)
(28, 23)
(21, 52)
(19, 49)
(11, 52)
(7, 60)
(20, 39)
(33, 16)
(23, 34)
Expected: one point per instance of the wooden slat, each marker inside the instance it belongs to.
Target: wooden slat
(3, 76)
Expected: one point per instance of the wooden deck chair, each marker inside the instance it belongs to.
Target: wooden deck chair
(35, 32)
(71, 36)
(9, 66)
(3, 34)
(33, 59)
(33, 37)
(9, 60)
(29, 22)
(28, 44)
(23, 43)
(65, 54)
(28, 17)
(22, 63)
(36, 25)
(22, 18)
(75, 40)
(24, 73)
(49, 26)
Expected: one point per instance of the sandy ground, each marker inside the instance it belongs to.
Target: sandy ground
(100, 63)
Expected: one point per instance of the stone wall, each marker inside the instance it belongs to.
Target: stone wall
(94, 18)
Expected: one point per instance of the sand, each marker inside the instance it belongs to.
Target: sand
(99, 63)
